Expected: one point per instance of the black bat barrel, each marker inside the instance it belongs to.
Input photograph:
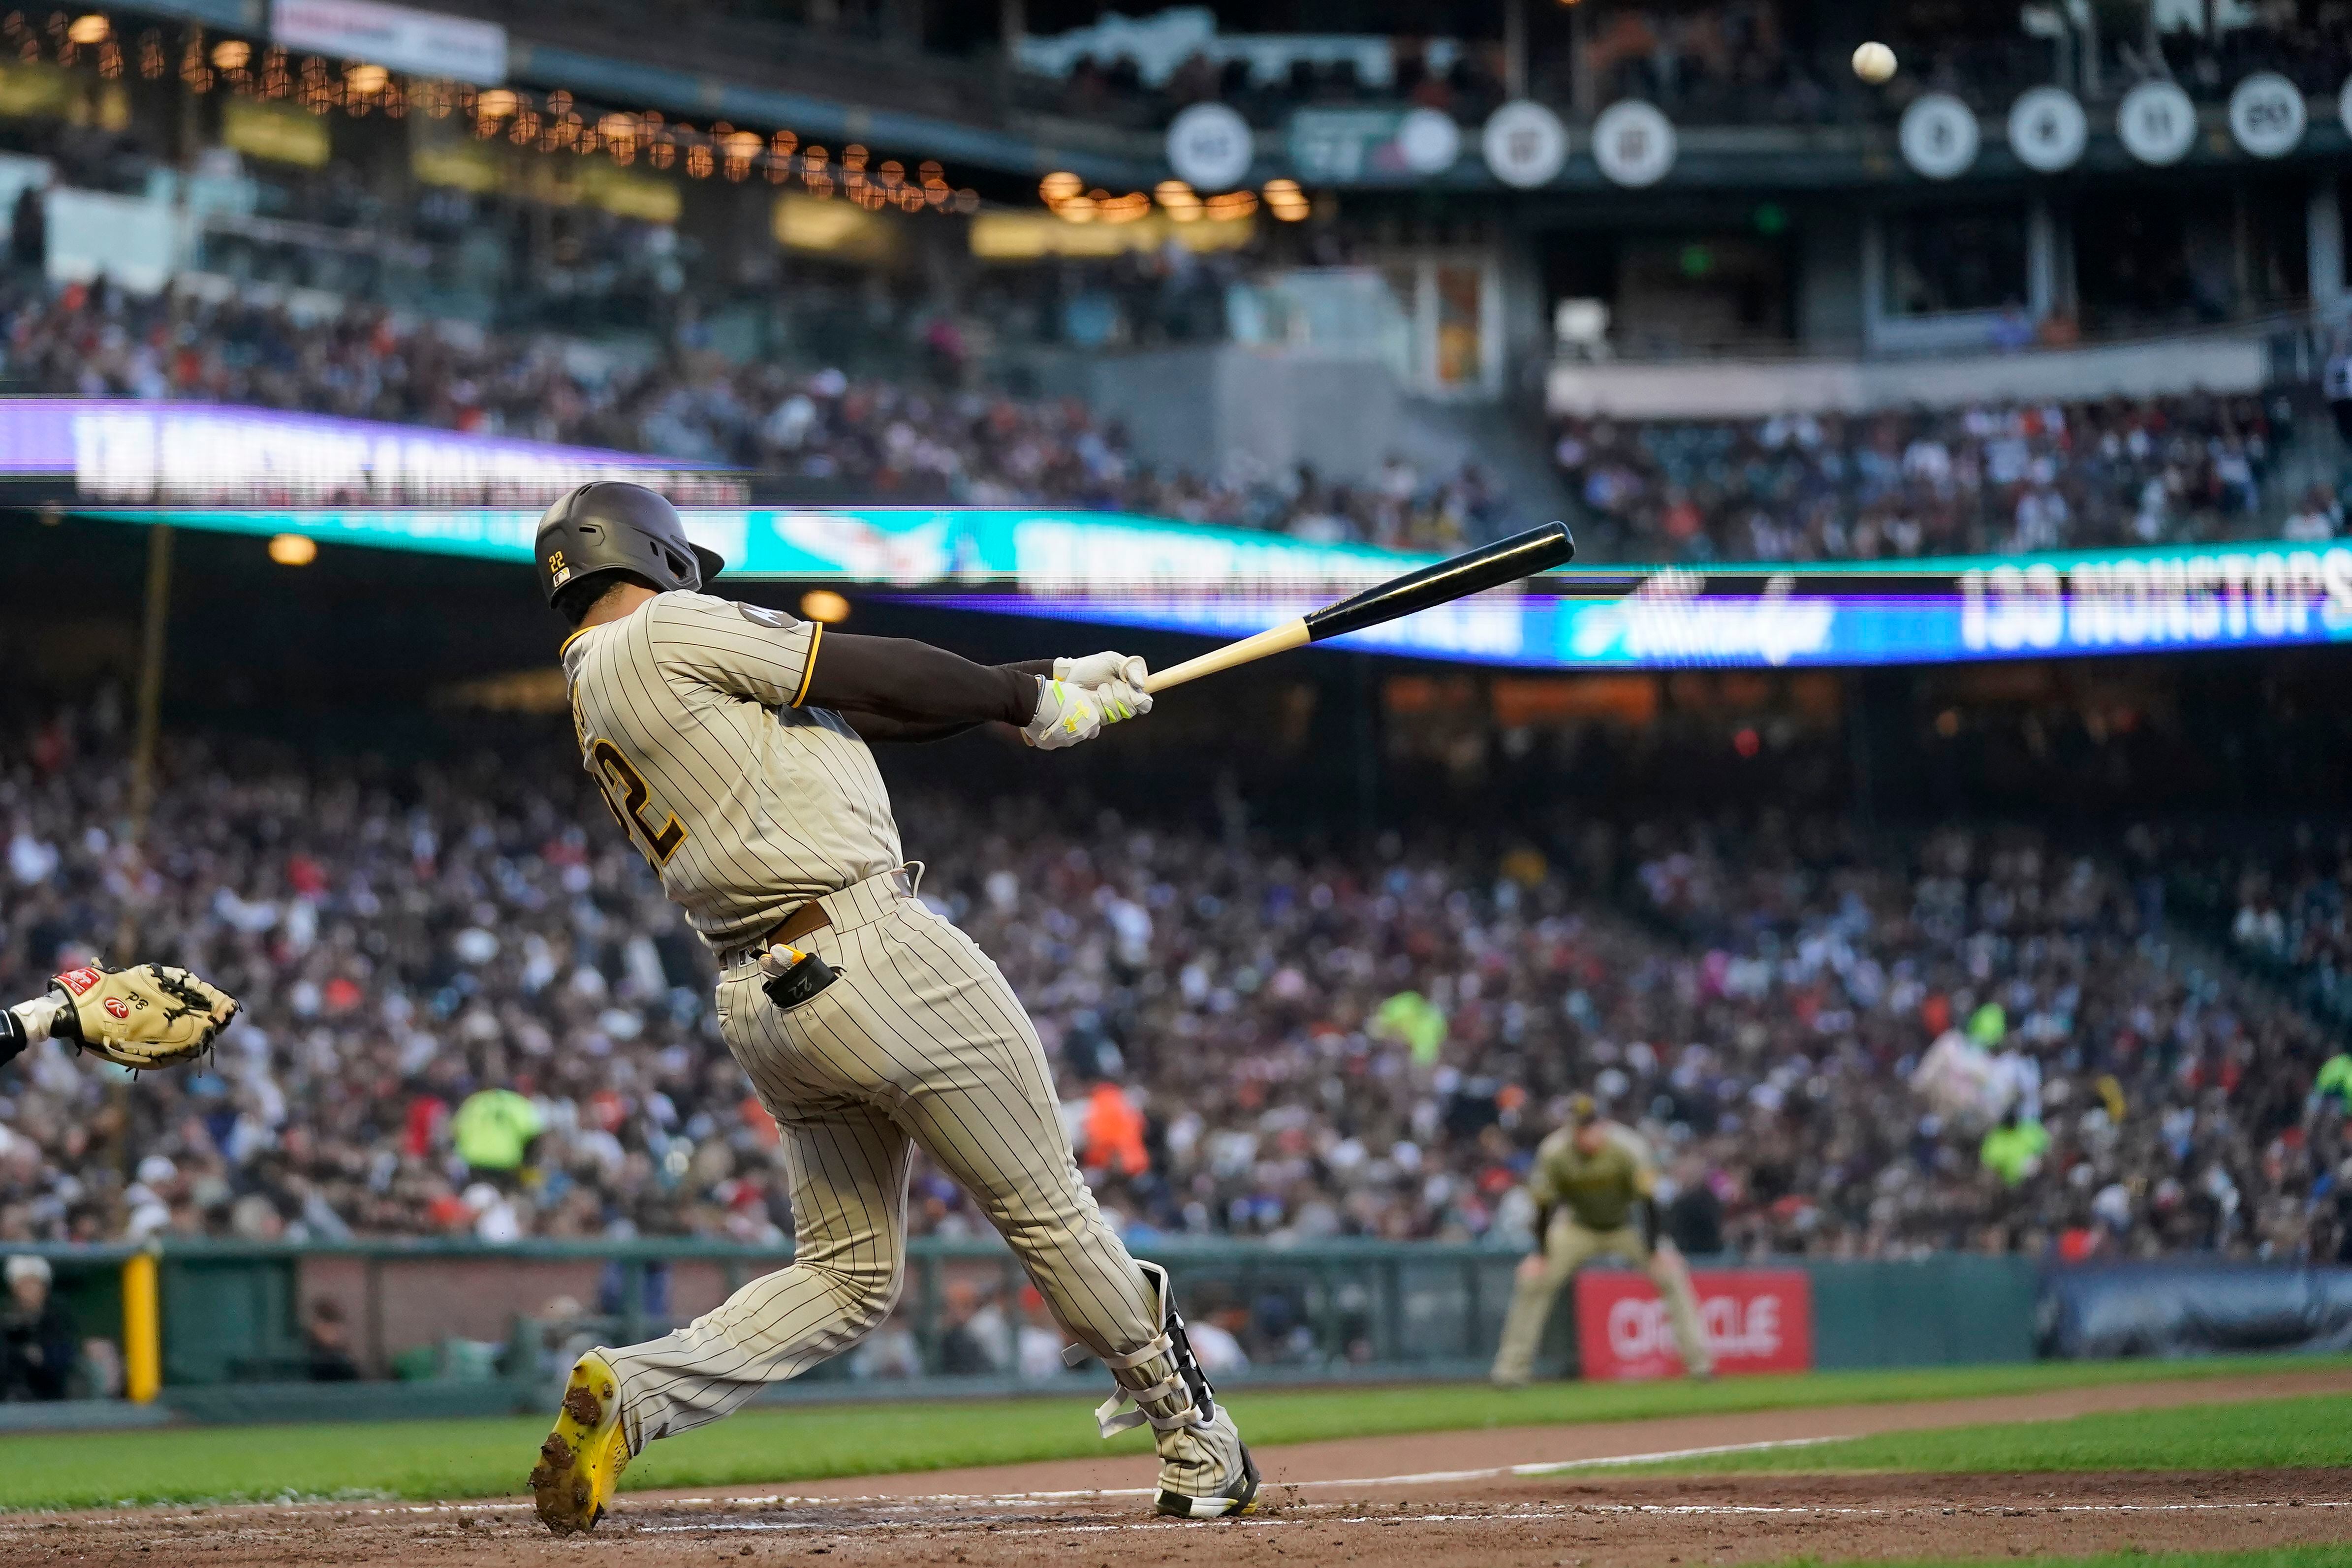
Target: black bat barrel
(1490, 566)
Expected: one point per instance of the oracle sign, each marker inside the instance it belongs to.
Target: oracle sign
(1755, 1320)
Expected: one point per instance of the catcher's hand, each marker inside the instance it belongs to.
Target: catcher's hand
(147, 1016)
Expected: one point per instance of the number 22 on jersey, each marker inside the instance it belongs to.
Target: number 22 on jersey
(626, 792)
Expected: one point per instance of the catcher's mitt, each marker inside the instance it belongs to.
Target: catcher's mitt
(147, 1016)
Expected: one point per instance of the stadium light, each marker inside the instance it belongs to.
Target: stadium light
(824, 604)
(293, 549)
(92, 28)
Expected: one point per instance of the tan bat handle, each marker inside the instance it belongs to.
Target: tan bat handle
(1276, 639)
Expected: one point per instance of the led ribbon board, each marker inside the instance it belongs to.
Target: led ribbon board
(1116, 569)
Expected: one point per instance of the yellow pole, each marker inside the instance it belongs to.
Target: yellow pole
(143, 1330)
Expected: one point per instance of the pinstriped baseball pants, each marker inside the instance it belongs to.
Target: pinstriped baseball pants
(921, 1040)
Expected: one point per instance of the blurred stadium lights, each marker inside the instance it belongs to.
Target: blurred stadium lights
(547, 121)
(1179, 200)
(293, 549)
(824, 604)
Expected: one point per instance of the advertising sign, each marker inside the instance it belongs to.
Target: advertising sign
(1755, 1320)
(1939, 136)
(132, 452)
(1109, 569)
(424, 42)
(1633, 144)
(1525, 143)
(2158, 123)
(1209, 147)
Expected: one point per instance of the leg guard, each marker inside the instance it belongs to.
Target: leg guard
(1180, 1397)
(1206, 1469)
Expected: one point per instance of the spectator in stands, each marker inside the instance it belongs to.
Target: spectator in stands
(2013, 1150)
(327, 1340)
(1694, 1210)
(493, 1131)
(28, 230)
(36, 1334)
(2335, 1081)
(1317, 1044)
(1979, 478)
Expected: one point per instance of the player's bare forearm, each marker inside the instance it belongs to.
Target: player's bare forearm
(919, 686)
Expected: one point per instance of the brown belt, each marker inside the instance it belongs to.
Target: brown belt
(811, 918)
(807, 920)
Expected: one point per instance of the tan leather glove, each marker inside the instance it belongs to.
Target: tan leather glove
(146, 1016)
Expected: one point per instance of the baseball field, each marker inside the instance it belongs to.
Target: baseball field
(2242, 1463)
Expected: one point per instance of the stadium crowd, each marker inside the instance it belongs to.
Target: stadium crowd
(2286, 893)
(1922, 482)
(885, 441)
(1997, 478)
(469, 1012)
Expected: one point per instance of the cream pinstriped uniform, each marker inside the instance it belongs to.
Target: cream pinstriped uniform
(750, 804)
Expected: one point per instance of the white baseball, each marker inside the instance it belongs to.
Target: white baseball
(1874, 62)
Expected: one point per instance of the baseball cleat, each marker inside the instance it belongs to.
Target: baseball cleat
(1234, 1491)
(581, 1460)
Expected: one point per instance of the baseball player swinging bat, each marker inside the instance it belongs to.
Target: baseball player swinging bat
(732, 744)
(1473, 572)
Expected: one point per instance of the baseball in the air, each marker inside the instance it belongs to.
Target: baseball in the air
(1874, 62)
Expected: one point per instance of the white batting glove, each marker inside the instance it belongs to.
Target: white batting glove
(1100, 668)
(1068, 714)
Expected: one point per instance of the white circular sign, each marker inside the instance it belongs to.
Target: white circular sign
(1209, 147)
(1939, 136)
(2048, 130)
(1428, 141)
(2267, 114)
(1525, 143)
(2156, 122)
(1633, 144)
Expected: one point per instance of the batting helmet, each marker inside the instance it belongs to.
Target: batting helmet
(615, 527)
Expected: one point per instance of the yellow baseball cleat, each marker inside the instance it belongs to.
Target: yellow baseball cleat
(579, 1463)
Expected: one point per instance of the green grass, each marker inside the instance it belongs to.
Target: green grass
(2256, 1435)
(2266, 1557)
(424, 1460)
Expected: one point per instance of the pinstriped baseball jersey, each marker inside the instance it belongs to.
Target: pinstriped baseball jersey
(690, 719)
(747, 804)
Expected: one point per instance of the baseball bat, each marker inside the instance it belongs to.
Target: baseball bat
(1489, 566)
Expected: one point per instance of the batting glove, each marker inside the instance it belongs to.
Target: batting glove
(1068, 714)
(1100, 668)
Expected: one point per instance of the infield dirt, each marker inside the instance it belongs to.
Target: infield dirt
(1427, 1500)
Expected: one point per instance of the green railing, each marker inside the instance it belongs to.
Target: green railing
(467, 1325)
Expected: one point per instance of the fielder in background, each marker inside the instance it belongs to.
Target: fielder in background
(730, 743)
(1593, 1186)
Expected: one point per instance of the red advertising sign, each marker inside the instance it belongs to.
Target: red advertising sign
(1755, 1320)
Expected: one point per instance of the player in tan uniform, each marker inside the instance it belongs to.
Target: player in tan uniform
(730, 743)
(1593, 1184)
